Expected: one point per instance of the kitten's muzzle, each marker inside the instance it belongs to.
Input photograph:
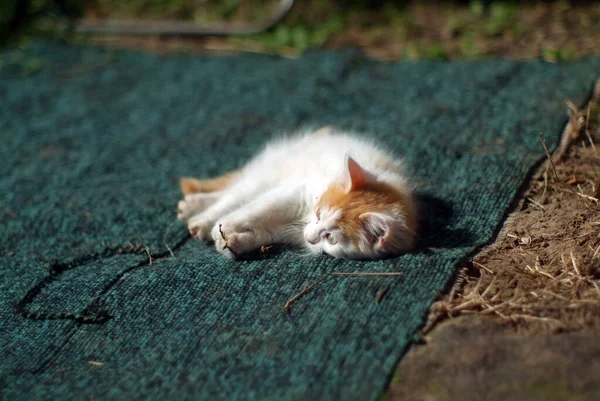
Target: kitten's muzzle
(316, 236)
(311, 240)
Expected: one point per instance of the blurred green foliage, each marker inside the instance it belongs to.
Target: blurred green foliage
(309, 24)
(298, 36)
(47, 18)
(501, 17)
(470, 27)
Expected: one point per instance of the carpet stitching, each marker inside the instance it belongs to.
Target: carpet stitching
(93, 313)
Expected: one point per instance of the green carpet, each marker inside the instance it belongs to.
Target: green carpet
(93, 143)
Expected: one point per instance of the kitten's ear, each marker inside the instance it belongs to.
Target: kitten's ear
(377, 227)
(354, 175)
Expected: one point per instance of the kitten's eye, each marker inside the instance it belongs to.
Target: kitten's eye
(331, 240)
(318, 214)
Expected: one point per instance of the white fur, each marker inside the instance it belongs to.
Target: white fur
(273, 199)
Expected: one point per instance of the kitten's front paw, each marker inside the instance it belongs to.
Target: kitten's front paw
(233, 241)
(199, 227)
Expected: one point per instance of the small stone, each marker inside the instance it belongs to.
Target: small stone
(525, 240)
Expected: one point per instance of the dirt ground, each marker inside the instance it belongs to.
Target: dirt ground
(521, 321)
(479, 358)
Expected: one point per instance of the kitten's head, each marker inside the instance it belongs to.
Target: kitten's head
(359, 217)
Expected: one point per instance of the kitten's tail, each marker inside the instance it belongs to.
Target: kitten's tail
(190, 185)
(328, 129)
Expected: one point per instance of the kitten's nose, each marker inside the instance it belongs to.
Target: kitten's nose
(311, 240)
(315, 236)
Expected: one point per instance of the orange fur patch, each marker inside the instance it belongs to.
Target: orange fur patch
(328, 129)
(191, 185)
(371, 197)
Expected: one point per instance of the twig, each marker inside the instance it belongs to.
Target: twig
(556, 175)
(293, 299)
(589, 137)
(149, 256)
(530, 317)
(587, 117)
(575, 264)
(461, 279)
(465, 305)
(545, 183)
(170, 250)
(556, 295)
(489, 286)
(596, 252)
(483, 267)
(597, 288)
(494, 309)
(536, 203)
(381, 293)
(165, 238)
(538, 268)
(549, 157)
(596, 200)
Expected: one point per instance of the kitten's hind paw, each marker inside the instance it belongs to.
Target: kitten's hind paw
(182, 212)
(199, 227)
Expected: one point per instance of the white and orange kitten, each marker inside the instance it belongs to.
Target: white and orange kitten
(325, 191)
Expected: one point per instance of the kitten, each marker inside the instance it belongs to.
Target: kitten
(328, 192)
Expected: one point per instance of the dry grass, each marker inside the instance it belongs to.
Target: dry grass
(543, 271)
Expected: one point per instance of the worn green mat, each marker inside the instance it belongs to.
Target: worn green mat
(92, 145)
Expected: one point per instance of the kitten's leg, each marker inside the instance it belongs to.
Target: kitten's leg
(201, 223)
(201, 218)
(191, 185)
(274, 217)
(192, 204)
